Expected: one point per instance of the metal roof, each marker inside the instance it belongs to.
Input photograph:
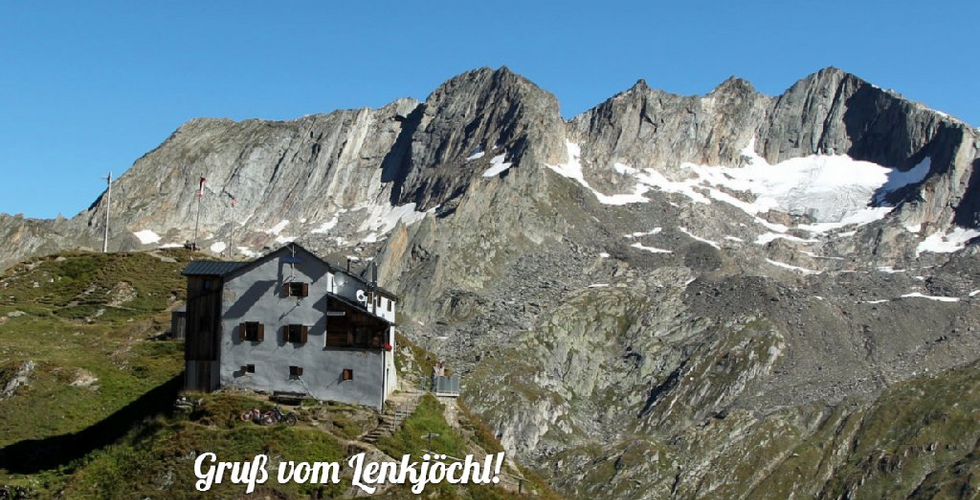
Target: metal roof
(211, 268)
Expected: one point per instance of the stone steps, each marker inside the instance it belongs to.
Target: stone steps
(401, 406)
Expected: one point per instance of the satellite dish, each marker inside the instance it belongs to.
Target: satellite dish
(361, 296)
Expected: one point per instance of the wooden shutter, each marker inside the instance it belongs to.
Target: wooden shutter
(305, 334)
(285, 289)
(241, 331)
(347, 374)
(261, 336)
(306, 289)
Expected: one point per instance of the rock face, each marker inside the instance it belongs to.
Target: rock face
(649, 299)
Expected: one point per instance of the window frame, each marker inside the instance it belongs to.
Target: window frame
(295, 333)
(247, 334)
(297, 289)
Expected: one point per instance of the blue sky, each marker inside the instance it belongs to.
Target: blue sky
(88, 87)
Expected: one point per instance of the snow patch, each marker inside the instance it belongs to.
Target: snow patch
(765, 238)
(247, 252)
(835, 190)
(947, 243)
(650, 249)
(497, 166)
(930, 297)
(604, 255)
(624, 169)
(898, 179)
(974, 293)
(652, 178)
(282, 240)
(476, 154)
(278, 227)
(735, 239)
(384, 218)
(218, 247)
(792, 267)
(572, 169)
(702, 240)
(171, 245)
(147, 237)
(890, 270)
(599, 285)
(327, 226)
(640, 234)
(858, 218)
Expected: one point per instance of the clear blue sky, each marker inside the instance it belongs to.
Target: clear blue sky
(88, 87)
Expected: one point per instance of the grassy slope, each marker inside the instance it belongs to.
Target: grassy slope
(117, 437)
(56, 314)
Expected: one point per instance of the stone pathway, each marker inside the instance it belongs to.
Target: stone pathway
(400, 405)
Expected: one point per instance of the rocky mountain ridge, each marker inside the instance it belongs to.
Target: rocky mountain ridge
(359, 171)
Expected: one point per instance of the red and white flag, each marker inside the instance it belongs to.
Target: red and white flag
(200, 193)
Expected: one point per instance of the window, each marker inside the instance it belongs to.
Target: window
(354, 337)
(295, 333)
(296, 289)
(389, 304)
(251, 331)
(347, 374)
(248, 368)
(362, 335)
(295, 371)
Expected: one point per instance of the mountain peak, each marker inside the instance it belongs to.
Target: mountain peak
(734, 85)
(833, 76)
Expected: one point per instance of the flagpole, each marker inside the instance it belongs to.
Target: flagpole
(197, 224)
(108, 203)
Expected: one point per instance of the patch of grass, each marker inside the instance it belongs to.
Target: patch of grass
(427, 418)
(87, 366)
(156, 461)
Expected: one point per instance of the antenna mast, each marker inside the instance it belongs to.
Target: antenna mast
(197, 223)
(108, 203)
